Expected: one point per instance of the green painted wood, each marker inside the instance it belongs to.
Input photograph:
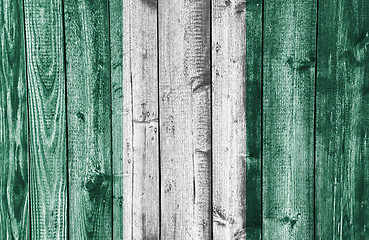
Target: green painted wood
(236, 74)
(136, 115)
(185, 119)
(47, 115)
(14, 207)
(253, 99)
(288, 119)
(342, 126)
(121, 121)
(89, 119)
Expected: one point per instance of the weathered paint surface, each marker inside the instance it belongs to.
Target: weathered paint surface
(89, 119)
(185, 119)
(47, 119)
(342, 125)
(236, 78)
(14, 196)
(288, 119)
(135, 109)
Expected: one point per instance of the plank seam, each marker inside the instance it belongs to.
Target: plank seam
(66, 112)
(315, 96)
(132, 124)
(28, 127)
(261, 115)
(111, 127)
(158, 95)
(211, 119)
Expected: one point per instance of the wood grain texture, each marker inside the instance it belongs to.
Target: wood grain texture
(254, 11)
(46, 101)
(236, 62)
(123, 186)
(14, 207)
(288, 119)
(185, 119)
(89, 119)
(342, 124)
(121, 121)
(139, 161)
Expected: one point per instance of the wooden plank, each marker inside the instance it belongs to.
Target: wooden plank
(138, 173)
(342, 126)
(288, 119)
(123, 185)
(144, 77)
(89, 119)
(14, 207)
(185, 119)
(121, 120)
(236, 104)
(47, 128)
(253, 90)
(236, 62)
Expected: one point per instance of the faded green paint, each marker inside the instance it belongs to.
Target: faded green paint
(113, 123)
(47, 125)
(342, 124)
(288, 119)
(89, 119)
(14, 207)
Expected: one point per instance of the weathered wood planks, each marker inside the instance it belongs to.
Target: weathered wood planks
(288, 119)
(121, 121)
(342, 124)
(236, 93)
(137, 117)
(89, 119)
(14, 207)
(185, 119)
(47, 115)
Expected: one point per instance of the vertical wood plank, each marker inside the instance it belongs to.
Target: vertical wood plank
(254, 11)
(121, 121)
(342, 124)
(46, 101)
(288, 119)
(89, 118)
(144, 77)
(139, 161)
(185, 119)
(126, 184)
(236, 46)
(14, 207)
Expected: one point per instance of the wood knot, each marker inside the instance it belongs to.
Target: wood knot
(241, 7)
(201, 82)
(290, 220)
(81, 116)
(303, 64)
(97, 185)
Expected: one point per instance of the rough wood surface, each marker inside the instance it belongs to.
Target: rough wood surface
(342, 125)
(185, 119)
(253, 99)
(121, 121)
(138, 119)
(89, 119)
(236, 78)
(14, 207)
(288, 119)
(124, 185)
(47, 115)
(144, 77)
